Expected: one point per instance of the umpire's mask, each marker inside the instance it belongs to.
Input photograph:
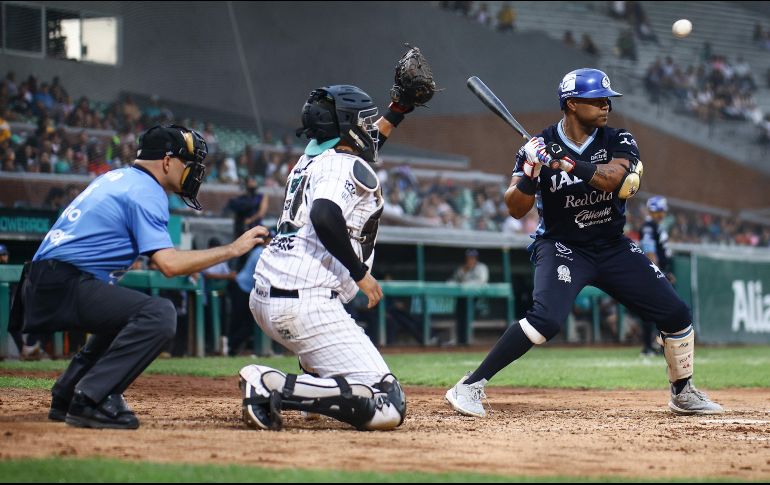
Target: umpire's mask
(185, 144)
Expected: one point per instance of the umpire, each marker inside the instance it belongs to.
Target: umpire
(70, 284)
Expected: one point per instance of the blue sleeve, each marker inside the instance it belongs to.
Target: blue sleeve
(623, 145)
(149, 224)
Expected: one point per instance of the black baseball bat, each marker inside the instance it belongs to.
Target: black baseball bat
(493, 103)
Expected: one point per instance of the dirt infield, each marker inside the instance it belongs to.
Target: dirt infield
(529, 432)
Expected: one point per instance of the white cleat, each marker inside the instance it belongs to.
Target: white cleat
(466, 398)
(693, 401)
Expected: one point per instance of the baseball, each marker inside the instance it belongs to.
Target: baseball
(682, 28)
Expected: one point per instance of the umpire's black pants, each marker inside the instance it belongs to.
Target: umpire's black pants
(129, 329)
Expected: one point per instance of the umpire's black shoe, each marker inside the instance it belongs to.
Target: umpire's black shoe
(113, 413)
(59, 408)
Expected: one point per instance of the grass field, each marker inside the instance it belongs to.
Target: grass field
(67, 470)
(581, 368)
(549, 367)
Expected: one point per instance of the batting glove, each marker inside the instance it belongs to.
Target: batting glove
(536, 152)
(559, 158)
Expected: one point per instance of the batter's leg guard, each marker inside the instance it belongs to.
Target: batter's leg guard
(679, 350)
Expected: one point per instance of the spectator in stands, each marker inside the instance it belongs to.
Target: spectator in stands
(626, 45)
(617, 10)
(248, 209)
(588, 46)
(482, 15)
(569, 39)
(471, 272)
(506, 18)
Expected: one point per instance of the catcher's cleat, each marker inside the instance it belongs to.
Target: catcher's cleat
(692, 401)
(466, 398)
(260, 412)
(111, 413)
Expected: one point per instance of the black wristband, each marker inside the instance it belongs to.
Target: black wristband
(360, 273)
(393, 117)
(584, 171)
(527, 185)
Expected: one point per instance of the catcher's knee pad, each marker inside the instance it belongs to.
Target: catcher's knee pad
(539, 332)
(394, 397)
(679, 350)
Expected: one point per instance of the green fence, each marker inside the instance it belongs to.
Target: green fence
(731, 300)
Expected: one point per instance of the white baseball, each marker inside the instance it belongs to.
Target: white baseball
(682, 28)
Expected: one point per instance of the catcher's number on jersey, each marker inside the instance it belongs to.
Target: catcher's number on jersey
(294, 205)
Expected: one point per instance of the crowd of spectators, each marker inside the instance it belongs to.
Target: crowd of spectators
(503, 21)
(68, 140)
(711, 90)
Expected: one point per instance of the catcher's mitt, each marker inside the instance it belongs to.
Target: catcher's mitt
(414, 80)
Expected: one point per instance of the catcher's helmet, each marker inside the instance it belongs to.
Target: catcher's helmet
(342, 111)
(585, 83)
(657, 204)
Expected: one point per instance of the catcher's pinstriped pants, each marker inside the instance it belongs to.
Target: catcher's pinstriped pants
(317, 328)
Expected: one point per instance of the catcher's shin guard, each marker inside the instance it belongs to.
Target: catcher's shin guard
(357, 404)
(396, 399)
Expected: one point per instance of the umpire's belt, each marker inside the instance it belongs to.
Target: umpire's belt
(281, 293)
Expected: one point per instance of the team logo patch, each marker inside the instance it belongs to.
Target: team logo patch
(568, 83)
(564, 274)
(636, 249)
(605, 82)
(563, 249)
(657, 271)
(600, 156)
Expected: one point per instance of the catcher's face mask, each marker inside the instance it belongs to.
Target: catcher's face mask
(366, 126)
(193, 152)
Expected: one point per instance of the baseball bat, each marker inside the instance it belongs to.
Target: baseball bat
(492, 102)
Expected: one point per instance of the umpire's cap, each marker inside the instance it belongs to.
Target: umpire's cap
(174, 141)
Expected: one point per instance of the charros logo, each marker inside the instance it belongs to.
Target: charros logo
(751, 309)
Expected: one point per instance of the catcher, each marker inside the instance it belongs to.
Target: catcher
(321, 257)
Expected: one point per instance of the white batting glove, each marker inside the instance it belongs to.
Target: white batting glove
(536, 153)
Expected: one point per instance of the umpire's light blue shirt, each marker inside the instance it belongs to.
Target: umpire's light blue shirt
(120, 215)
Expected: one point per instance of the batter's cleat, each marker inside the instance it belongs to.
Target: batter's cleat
(466, 398)
(59, 408)
(692, 401)
(261, 408)
(112, 413)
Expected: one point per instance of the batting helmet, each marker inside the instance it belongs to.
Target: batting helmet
(342, 111)
(657, 204)
(585, 83)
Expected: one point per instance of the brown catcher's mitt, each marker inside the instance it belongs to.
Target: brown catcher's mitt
(414, 80)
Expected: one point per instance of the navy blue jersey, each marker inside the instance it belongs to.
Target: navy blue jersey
(654, 239)
(570, 209)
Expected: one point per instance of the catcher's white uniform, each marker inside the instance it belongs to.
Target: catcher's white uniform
(313, 323)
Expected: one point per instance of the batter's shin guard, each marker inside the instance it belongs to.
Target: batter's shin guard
(679, 350)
